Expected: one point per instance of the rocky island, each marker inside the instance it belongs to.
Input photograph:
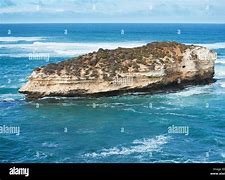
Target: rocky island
(154, 67)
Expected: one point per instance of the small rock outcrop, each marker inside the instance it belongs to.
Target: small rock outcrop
(150, 68)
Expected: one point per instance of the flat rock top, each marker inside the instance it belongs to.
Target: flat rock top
(104, 63)
(151, 67)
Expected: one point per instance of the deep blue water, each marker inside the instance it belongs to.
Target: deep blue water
(129, 128)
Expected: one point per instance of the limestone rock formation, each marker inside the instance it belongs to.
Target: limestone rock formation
(150, 68)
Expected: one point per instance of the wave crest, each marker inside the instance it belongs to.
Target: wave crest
(63, 49)
(218, 45)
(146, 145)
(16, 39)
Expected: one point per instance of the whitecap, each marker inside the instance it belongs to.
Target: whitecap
(85, 131)
(64, 49)
(53, 133)
(164, 108)
(16, 39)
(223, 154)
(218, 45)
(222, 84)
(219, 72)
(146, 145)
(130, 109)
(191, 91)
(22, 80)
(49, 145)
(10, 97)
(10, 86)
(8, 100)
(220, 61)
(135, 111)
(42, 155)
(67, 104)
(177, 114)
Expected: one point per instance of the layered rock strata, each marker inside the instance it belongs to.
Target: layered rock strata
(151, 68)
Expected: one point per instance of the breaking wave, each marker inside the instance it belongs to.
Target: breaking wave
(63, 49)
(146, 145)
(220, 61)
(222, 84)
(219, 72)
(218, 45)
(16, 39)
(192, 91)
(49, 145)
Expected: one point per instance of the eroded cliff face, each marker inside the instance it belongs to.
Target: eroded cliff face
(150, 68)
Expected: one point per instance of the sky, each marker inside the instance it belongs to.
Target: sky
(112, 11)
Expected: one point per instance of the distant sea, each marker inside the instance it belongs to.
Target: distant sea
(128, 128)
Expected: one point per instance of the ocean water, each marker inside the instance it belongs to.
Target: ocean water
(128, 128)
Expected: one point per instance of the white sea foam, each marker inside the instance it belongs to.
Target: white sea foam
(8, 100)
(85, 131)
(16, 39)
(63, 49)
(223, 154)
(10, 97)
(11, 86)
(146, 145)
(39, 56)
(220, 61)
(222, 84)
(218, 45)
(132, 110)
(22, 80)
(70, 49)
(49, 145)
(219, 72)
(41, 155)
(177, 114)
(192, 91)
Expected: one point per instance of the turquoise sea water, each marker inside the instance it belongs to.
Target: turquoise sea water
(129, 128)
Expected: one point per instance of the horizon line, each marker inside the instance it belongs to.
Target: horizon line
(112, 22)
